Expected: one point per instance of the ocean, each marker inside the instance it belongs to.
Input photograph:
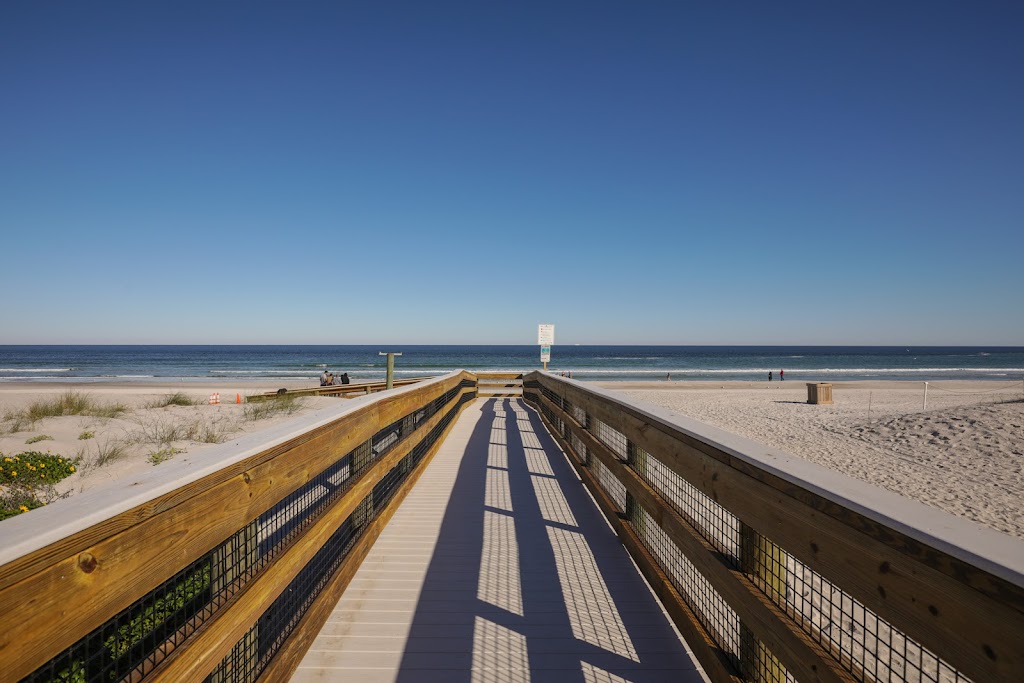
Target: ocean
(801, 363)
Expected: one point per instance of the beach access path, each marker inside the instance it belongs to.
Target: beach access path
(498, 567)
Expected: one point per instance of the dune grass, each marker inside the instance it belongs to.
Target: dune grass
(37, 439)
(109, 450)
(175, 399)
(163, 433)
(68, 403)
(264, 409)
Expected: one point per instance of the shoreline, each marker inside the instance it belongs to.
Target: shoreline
(611, 383)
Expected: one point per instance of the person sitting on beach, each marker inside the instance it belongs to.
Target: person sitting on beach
(345, 379)
(337, 381)
(323, 378)
(330, 379)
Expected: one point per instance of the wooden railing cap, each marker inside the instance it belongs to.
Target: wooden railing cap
(999, 554)
(28, 532)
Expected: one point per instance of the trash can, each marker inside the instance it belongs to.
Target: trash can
(819, 393)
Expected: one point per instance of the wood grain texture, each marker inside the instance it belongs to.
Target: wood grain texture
(712, 658)
(214, 640)
(287, 660)
(65, 590)
(969, 617)
(804, 658)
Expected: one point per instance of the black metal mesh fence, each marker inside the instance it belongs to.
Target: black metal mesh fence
(246, 662)
(138, 638)
(866, 646)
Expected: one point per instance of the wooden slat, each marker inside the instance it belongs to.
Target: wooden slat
(199, 655)
(288, 658)
(335, 389)
(966, 615)
(804, 658)
(65, 590)
(714, 660)
(498, 375)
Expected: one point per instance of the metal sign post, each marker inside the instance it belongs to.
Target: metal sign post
(546, 339)
(391, 367)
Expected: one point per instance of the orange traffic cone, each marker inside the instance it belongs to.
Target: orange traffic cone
(238, 398)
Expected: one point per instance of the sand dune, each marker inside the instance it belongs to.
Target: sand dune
(963, 454)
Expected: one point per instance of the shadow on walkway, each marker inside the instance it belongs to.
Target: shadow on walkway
(527, 582)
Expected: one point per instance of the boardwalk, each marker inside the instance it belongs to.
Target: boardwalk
(498, 568)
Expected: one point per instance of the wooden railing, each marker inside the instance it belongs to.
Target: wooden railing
(344, 390)
(777, 570)
(224, 569)
(499, 384)
(219, 569)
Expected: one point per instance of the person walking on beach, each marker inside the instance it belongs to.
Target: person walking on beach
(769, 375)
(782, 375)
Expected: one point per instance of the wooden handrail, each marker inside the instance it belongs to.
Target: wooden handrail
(959, 593)
(335, 389)
(60, 592)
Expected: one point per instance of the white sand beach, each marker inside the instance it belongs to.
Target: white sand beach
(141, 436)
(963, 454)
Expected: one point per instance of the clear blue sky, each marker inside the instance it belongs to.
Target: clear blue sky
(433, 172)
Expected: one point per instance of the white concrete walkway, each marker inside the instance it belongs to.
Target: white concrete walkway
(498, 568)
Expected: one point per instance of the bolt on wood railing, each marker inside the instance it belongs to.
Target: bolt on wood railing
(225, 574)
(777, 570)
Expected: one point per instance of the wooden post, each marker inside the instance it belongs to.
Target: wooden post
(636, 459)
(586, 425)
(230, 563)
(765, 562)
(390, 380)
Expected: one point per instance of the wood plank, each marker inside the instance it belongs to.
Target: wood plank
(963, 613)
(73, 587)
(804, 658)
(361, 424)
(714, 660)
(288, 658)
(335, 389)
(199, 655)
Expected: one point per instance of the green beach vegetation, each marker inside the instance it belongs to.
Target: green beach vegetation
(68, 403)
(27, 479)
(262, 410)
(175, 399)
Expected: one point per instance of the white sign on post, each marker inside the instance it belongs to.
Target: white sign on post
(545, 354)
(546, 335)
